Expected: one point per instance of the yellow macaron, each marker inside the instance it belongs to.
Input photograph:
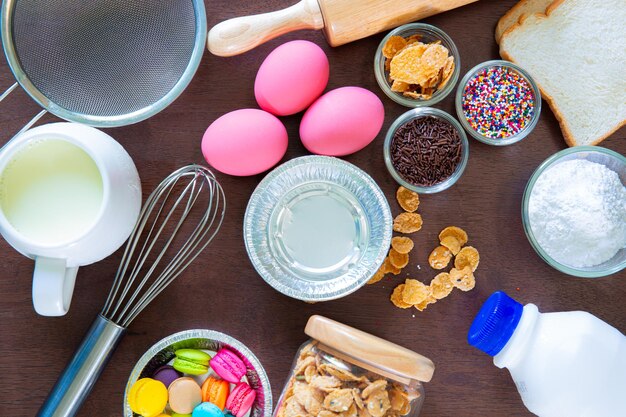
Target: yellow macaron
(147, 397)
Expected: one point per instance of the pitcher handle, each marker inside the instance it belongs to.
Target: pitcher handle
(27, 125)
(53, 285)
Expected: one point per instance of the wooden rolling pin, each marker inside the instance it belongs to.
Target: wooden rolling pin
(342, 21)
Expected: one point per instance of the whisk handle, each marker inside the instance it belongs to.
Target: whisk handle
(80, 375)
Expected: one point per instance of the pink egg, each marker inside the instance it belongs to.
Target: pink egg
(342, 121)
(291, 78)
(244, 142)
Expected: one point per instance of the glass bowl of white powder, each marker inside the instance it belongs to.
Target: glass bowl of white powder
(574, 211)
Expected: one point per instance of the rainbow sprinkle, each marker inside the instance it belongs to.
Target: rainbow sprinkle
(498, 102)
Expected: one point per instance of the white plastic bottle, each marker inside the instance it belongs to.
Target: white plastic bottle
(568, 364)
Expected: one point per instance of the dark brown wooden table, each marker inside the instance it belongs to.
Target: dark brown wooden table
(222, 291)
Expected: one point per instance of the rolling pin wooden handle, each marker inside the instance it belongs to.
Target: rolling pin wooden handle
(241, 34)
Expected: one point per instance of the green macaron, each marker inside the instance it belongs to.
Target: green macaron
(194, 355)
(191, 361)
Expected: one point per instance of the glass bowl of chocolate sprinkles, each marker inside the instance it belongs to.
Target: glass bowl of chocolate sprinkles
(426, 150)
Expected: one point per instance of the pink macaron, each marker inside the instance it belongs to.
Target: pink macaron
(240, 399)
(228, 365)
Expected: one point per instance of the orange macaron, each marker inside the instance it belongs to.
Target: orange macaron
(215, 390)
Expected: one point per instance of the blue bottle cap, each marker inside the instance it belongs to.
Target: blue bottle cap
(495, 323)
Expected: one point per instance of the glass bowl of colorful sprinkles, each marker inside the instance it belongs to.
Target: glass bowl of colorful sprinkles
(498, 103)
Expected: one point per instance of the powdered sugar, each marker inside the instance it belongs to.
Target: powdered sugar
(577, 213)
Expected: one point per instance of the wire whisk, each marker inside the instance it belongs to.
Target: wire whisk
(177, 222)
(138, 281)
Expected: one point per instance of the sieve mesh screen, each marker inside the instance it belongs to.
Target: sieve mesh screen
(104, 57)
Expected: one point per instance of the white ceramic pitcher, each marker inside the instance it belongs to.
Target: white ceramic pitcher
(56, 263)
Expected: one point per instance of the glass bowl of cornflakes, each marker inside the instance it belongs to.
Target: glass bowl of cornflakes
(417, 65)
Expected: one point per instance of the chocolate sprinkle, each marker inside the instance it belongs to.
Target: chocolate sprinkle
(426, 151)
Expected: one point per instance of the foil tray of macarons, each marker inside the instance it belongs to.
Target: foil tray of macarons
(198, 373)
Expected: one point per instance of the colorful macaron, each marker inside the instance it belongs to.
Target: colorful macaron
(215, 390)
(240, 399)
(180, 415)
(147, 397)
(207, 410)
(228, 365)
(166, 374)
(184, 395)
(191, 361)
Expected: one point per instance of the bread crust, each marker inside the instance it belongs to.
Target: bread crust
(565, 129)
(502, 21)
(506, 21)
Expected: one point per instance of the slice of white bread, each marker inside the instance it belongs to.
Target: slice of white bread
(524, 7)
(576, 52)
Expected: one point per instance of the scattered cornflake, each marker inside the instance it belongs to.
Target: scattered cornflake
(402, 244)
(407, 199)
(456, 232)
(440, 257)
(397, 259)
(428, 300)
(463, 279)
(396, 297)
(407, 223)
(451, 243)
(390, 268)
(414, 291)
(460, 276)
(468, 256)
(441, 286)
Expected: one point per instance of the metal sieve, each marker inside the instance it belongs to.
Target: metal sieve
(104, 63)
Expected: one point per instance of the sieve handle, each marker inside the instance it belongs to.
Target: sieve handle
(80, 375)
(238, 35)
(27, 125)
